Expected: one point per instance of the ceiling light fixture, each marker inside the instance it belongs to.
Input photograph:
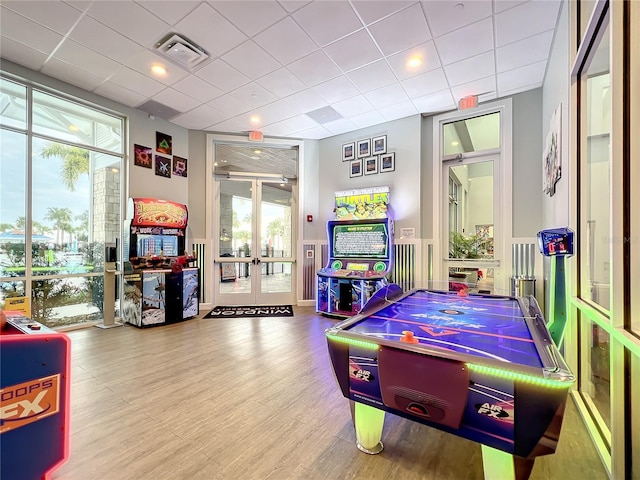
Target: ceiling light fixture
(254, 119)
(158, 70)
(414, 62)
(73, 128)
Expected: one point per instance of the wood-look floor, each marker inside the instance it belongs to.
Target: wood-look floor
(245, 399)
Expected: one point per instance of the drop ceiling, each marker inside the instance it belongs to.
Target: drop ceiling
(279, 61)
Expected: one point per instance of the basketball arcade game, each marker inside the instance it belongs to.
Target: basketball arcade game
(482, 367)
(34, 398)
(360, 252)
(159, 285)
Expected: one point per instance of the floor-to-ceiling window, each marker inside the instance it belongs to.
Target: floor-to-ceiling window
(606, 88)
(60, 178)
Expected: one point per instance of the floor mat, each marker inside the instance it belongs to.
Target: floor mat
(251, 311)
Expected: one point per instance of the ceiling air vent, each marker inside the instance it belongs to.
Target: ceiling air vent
(181, 51)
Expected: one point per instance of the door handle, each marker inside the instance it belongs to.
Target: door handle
(256, 261)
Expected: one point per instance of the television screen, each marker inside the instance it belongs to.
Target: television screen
(360, 240)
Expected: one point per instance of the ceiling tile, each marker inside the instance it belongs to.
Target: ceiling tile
(253, 95)
(503, 5)
(532, 74)
(229, 105)
(143, 61)
(426, 52)
(306, 101)
(170, 12)
(81, 57)
(402, 30)
(424, 84)
(314, 133)
(368, 119)
(300, 122)
(435, 102)
(192, 122)
(353, 106)
(232, 125)
(525, 20)
(120, 94)
(371, 12)
(529, 50)
(197, 88)
(54, 15)
(286, 41)
(125, 77)
(336, 89)
(251, 16)
(482, 86)
(339, 126)
(208, 114)
(372, 76)
(326, 22)
(275, 112)
(217, 41)
(71, 74)
(250, 59)
(398, 110)
(28, 33)
(470, 69)
(279, 129)
(96, 36)
(466, 42)
(176, 100)
(281, 83)
(130, 20)
(388, 95)
(293, 5)
(353, 51)
(222, 75)
(445, 17)
(21, 54)
(315, 68)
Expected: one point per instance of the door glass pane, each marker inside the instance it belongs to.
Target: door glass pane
(596, 167)
(471, 211)
(13, 185)
(596, 385)
(276, 277)
(236, 219)
(635, 418)
(13, 104)
(472, 135)
(275, 220)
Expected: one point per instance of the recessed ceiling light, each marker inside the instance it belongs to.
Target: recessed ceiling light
(257, 151)
(414, 62)
(255, 119)
(158, 70)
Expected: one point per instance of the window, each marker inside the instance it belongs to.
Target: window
(67, 169)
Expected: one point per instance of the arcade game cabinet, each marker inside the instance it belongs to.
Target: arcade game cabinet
(160, 286)
(34, 398)
(360, 252)
(557, 243)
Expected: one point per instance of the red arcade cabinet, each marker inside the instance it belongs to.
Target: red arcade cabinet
(160, 285)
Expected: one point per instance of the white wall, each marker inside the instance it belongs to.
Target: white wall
(403, 138)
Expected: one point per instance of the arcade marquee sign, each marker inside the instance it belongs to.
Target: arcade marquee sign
(151, 212)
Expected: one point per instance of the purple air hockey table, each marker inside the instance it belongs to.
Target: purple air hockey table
(482, 367)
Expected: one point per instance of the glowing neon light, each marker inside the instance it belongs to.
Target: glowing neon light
(521, 377)
(355, 343)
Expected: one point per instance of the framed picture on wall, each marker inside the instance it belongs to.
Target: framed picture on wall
(355, 168)
(163, 166)
(379, 145)
(370, 165)
(364, 148)
(348, 152)
(388, 162)
(142, 156)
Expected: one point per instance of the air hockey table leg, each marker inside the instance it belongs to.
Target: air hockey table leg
(368, 422)
(504, 466)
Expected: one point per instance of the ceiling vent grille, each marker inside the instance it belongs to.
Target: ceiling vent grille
(181, 51)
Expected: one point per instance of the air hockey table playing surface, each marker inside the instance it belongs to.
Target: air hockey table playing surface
(480, 366)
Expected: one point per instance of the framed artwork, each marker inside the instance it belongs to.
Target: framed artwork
(142, 156)
(179, 166)
(379, 145)
(388, 162)
(348, 152)
(552, 158)
(163, 143)
(355, 168)
(364, 148)
(370, 165)
(163, 166)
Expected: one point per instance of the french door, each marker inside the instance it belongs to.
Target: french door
(254, 240)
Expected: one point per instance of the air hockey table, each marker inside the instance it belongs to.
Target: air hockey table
(482, 367)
